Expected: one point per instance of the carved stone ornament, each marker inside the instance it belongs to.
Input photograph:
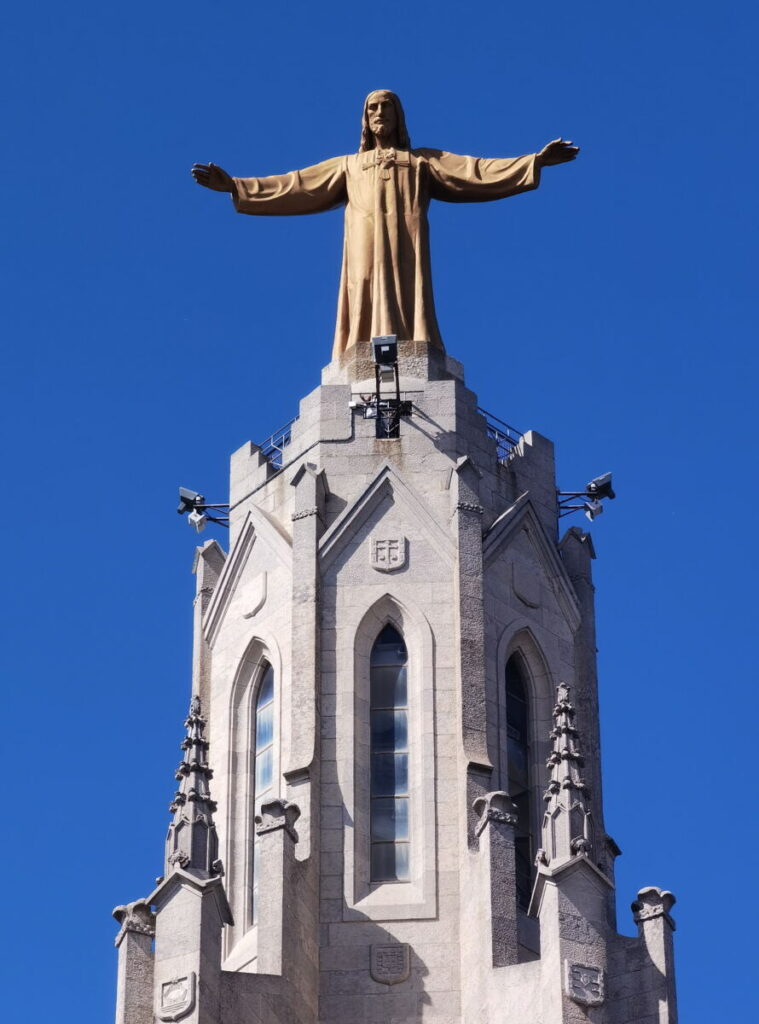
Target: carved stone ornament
(584, 985)
(388, 554)
(278, 814)
(391, 964)
(180, 858)
(134, 917)
(494, 807)
(580, 846)
(653, 902)
(470, 506)
(177, 997)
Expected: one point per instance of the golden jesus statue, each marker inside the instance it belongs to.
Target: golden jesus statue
(386, 282)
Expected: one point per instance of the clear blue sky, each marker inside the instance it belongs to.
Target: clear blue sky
(149, 332)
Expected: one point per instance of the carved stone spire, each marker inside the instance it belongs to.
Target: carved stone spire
(567, 823)
(191, 842)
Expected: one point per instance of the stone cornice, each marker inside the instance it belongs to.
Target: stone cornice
(559, 873)
(180, 879)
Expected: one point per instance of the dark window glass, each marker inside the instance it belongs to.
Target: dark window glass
(518, 757)
(388, 726)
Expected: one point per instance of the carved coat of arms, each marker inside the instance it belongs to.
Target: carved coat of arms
(177, 997)
(388, 553)
(390, 964)
(585, 985)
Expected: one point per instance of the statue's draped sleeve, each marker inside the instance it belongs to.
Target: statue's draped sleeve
(311, 190)
(469, 179)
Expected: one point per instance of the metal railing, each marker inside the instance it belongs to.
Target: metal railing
(506, 437)
(273, 447)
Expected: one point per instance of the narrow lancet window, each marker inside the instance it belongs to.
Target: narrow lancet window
(389, 758)
(518, 759)
(263, 750)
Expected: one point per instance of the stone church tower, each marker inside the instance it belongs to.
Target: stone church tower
(389, 801)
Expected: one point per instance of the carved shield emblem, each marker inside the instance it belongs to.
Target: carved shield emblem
(257, 596)
(177, 997)
(585, 985)
(390, 964)
(388, 554)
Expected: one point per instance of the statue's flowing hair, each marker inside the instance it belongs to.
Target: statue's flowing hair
(367, 137)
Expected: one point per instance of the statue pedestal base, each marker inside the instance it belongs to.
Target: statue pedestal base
(416, 359)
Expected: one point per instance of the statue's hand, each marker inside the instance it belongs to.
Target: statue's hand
(211, 176)
(560, 151)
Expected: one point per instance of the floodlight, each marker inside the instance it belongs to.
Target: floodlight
(385, 350)
(197, 520)
(592, 509)
(188, 500)
(600, 487)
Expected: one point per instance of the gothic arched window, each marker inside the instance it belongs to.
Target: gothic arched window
(388, 703)
(263, 750)
(518, 760)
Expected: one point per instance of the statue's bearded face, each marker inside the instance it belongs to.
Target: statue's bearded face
(382, 116)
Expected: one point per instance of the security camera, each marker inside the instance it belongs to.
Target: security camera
(188, 500)
(600, 487)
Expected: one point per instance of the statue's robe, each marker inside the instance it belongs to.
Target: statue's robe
(386, 281)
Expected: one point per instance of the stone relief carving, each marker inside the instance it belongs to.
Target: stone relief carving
(388, 554)
(585, 985)
(177, 997)
(390, 964)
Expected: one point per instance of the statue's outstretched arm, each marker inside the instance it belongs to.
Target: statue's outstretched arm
(310, 190)
(468, 179)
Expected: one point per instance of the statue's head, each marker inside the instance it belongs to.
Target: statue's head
(384, 123)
